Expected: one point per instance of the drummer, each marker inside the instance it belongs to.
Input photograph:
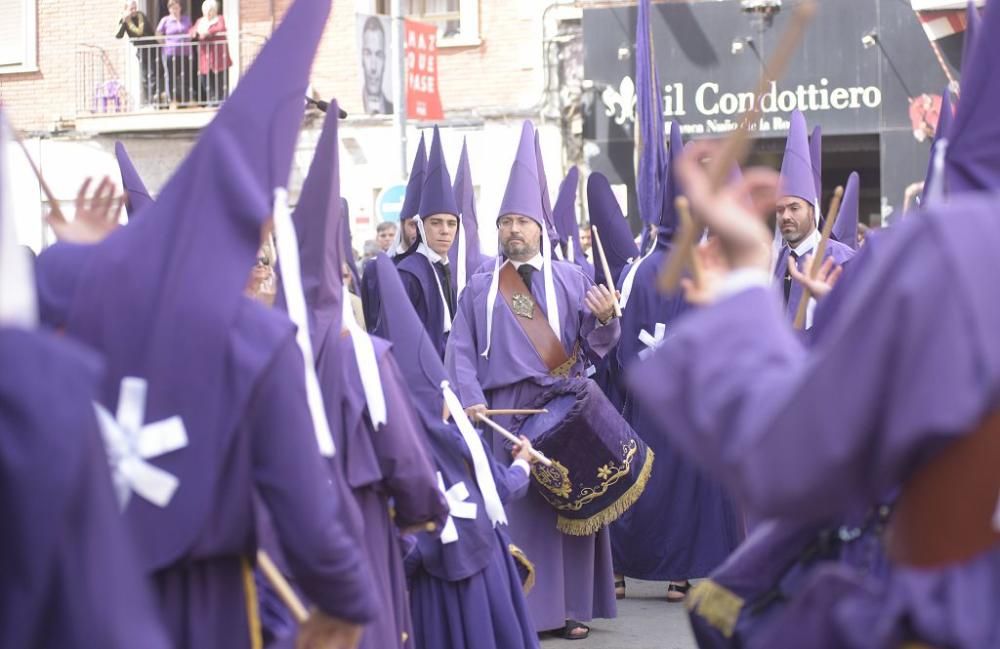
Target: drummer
(490, 360)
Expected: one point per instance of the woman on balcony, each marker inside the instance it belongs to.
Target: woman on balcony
(173, 30)
(213, 55)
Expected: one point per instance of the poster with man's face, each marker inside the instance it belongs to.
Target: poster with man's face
(378, 63)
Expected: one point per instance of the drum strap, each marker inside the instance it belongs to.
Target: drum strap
(946, 511)
(534, 323)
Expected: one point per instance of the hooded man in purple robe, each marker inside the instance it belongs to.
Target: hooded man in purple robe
(427, 273)
(467, 245)
(465, 589)
(405, 243)
(491, 360)
(212, 398)
(798, 218)
(381, 449)
(70, 573)
(685, 525)
(899, 393)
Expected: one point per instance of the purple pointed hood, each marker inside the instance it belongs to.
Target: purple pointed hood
(186, 263)
(816, 158)
(347, 244)
(845, 230)
(670, 191)
(616, 237)
(543, 186)
(415, 183)
(318, 222)
(437, 195)
(649, 122)
(465, 197)
(522, 195)
(942, 134)
(135, 191)
(421, 366)
(564, 212)
(796, 166)
(973, 152)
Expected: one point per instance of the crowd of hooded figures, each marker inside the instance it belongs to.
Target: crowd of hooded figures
(217, 431)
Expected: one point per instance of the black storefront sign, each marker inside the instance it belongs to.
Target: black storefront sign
(709, 57)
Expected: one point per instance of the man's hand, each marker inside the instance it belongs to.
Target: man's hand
(323, 632)
(713, 270)
(825, 279)
(600, 302)
(473, 412)
(523, 451)
(745, 241)
(96, 216)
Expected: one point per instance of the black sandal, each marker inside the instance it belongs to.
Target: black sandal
(676, 592)
(567, 632)
(620, 588)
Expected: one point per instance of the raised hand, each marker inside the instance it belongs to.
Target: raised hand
(323, 632)
(96, 214)
(600, 302)
(825, 278)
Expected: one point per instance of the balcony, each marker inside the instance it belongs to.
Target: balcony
(151, 84)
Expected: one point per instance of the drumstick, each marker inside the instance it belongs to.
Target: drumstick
(608, 280)
(285, 592)
(53, 203)
(538, 455)
(515, 411)
(737, 144)
(817, 261)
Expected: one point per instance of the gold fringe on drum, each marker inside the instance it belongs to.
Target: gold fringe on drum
(588, 526)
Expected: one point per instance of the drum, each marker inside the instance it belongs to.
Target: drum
(599, 465)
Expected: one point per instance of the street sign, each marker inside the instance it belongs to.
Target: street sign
(389, 203)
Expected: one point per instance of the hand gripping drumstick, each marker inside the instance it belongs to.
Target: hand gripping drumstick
(737, 144)
(538, 455)
(817, 262)
(609, 281)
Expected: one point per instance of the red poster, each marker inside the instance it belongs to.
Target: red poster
(422, 100)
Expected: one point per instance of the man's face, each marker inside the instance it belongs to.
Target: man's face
(795, 219)
(373, 60)
(585, 239)
(385, 238)
(520, 236)
(133, 8)
(409, 232)
(440, 230)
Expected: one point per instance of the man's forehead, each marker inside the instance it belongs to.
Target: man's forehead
(788, 201)
(442, 215)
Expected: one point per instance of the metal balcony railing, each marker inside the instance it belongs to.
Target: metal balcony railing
(159, 73)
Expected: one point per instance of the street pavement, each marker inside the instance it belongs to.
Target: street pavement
(645, 621)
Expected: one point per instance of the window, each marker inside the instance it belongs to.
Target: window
(457, 20)
(18, 49)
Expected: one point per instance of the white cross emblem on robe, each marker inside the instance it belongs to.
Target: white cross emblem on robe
(651, 341)
(129, 443)
(456, 495)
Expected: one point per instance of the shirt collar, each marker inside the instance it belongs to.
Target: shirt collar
(807, 245)
(432, 256)
(535, 262)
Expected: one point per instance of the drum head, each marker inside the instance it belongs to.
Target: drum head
(537, 425)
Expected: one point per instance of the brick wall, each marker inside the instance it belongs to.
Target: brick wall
(501, 74)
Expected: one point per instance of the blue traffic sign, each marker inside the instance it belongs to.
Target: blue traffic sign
(389, 203)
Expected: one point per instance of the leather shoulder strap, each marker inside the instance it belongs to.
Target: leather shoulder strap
(530, 317)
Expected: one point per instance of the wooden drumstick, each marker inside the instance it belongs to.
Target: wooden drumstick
(49, 196)
(281, 586)
(538, 455)
(687, 234)
(515, 411)
(737, 144)
(817, 261)
(608, 279)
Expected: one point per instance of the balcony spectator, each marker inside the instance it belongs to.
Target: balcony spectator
(139, 30)
(213, 54)
(176, 54)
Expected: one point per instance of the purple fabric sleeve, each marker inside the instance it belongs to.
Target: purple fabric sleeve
(291, 476)
(461, 357)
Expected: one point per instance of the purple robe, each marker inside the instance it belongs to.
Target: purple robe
(913, 361)
(574, 577)
(684, 525)
(418, 275)
(840, 253)
(70, 572)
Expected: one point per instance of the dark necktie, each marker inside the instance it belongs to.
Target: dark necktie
(526, 271)
(788, 274)
(444, 271)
